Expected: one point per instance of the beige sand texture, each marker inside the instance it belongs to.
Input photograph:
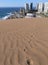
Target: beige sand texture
(24, 41)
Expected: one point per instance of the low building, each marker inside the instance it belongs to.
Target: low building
(30, 15)
(22, 11)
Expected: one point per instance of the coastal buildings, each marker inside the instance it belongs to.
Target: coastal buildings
(22, 11)
(27, 7)
(31, 6)
(29, 11)
(40, 7)
(30, 15)
(46, 7)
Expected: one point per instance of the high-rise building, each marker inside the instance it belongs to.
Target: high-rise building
(43, 7)
(40, 7)
(46, 7)
(37, 5)
(31, 6)
(27, 7)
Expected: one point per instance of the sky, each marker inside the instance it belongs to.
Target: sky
(18, 3)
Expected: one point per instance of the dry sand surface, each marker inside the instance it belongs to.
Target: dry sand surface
(24, 42)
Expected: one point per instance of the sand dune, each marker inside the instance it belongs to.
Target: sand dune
(24, 42)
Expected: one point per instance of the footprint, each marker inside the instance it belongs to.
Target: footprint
(29, 62)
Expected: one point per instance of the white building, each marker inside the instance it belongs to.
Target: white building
(27, 7)
(46, 7)
(30, 15)
(40, 7)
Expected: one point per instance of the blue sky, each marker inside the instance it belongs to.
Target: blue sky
(18, 3)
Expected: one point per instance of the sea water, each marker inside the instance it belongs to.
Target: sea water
(5, 12)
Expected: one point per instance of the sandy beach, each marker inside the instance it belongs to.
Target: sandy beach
(24, 41)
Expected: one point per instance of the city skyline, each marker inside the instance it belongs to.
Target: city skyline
(19, 3)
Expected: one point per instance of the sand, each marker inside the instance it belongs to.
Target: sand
(24, 41)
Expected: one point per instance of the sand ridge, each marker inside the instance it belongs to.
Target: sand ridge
(24, 41)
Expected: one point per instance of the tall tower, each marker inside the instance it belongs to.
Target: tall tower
(43, 7)
(40, 7)
(31, 6)
(27, 7)
(46, 7)
(37, 6)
